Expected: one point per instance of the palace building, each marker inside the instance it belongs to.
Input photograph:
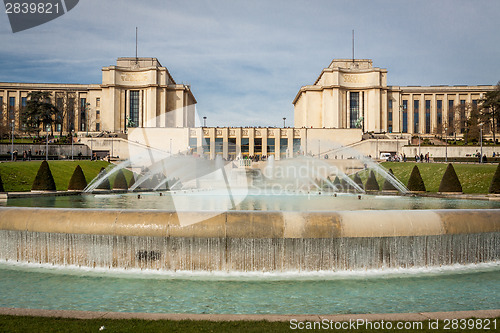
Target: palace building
(137, 92)
(139, 99)
(354, 94)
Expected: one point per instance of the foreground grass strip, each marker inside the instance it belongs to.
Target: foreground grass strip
(44, 324)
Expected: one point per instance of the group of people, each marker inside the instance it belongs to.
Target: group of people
(398, 158)
(485, 159)
(422, 158)
(27, 155)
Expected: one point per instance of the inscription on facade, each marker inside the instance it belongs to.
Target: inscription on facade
(134, 77)
(349, 78)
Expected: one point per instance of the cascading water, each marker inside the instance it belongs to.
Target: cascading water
(227, 239)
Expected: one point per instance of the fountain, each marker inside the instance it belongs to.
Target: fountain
(282, 217)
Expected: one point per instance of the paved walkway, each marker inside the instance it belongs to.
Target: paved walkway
(422, 316)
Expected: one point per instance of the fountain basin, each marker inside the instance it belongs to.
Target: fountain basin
(249, 240)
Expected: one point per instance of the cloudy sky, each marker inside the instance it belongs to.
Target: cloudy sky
(246, 60)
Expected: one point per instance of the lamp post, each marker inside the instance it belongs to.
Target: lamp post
(12, 141)
(446, 145)
(72, 145)
(170, 147)
(204, 121)
(419, 144)
(319, 148)
(47, 144)
(284, 122)
(481, 136)
(401, 109)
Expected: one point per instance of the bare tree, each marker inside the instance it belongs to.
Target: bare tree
(490, 110)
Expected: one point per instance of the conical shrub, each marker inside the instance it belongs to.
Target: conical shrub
(132, 181)
(120, 182)
(358, 181)
(44, 180)
(495, 182)
(77, 181)
(345, 186)
(1, 184)
(450, 181)
(416, 183)
(105, 183)
(388, 186)
(371, 183)
(336, 182)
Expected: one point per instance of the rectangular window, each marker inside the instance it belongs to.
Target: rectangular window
(257, 145)
(427, 116)
(390, 128)
(97, 127)
(231, 146)
(415, 115)
(24, 103)
(219, 145)
(206, 146)
(389, 111)
(270, 146)
(354, 108)
(133, 120)
(12, 107)
(98, 114)
(283, 146)
(71, 113)
(97, 102)
(193, 142)
(405, 116)
(59, 104)
(296, 145)
(58, 127)
(439, 110)
(83, 114)
(245, 146)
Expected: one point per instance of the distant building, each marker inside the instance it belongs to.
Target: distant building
(139, 97)
(137, 92)
(354, 94)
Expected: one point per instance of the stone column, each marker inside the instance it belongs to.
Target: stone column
(211, 132)
(225, 136)
(289, 134)
(277, 144)
(434, 114)
(237, 131)
(409, 113)
(348, 110)
(251, 143)
(263, 134)
(421, 114)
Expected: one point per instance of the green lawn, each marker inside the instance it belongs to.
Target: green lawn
(19, 176)
(39, 324)
(475, 178)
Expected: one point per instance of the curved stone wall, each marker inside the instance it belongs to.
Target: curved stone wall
(251, 224)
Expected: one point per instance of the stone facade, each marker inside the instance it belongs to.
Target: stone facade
(137, 92)
(354, 94)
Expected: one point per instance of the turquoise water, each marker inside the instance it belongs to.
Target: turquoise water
(441, 289)
(217, 200)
